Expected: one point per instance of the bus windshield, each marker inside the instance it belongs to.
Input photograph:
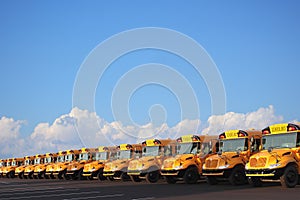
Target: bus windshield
(151, 151)
(61, 158)
(124, 154)
(27, 162)
(83, 156)
(37, 161)
(14, 163)
(233, 145)
(69, 157)
(278, 141)
(47, 160)
(101, 155)
(186, 148)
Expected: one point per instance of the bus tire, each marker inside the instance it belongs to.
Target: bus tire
(125, 177)
(135, 178)
(100, 176)
(152, 176)
(191, 175)
(171, 179)
(238, 176)
(255, 181)
(11, 174)
(21, 175)
(289, 179)
(211, 180)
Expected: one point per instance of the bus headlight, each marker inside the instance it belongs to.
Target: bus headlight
(274, 165)
(224, 166)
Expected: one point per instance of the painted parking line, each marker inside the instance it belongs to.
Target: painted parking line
(96, 197)
(144, 198)
(52, 195)
(36, 192)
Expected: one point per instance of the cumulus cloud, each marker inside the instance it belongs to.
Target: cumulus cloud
(81, 128)
(10, 140)
(258, 120)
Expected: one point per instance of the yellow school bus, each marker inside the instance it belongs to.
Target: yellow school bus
(235, 148)
(50, 169)
(40, 169)
(117, 169)
(19, 171)
(190, 153)
(2, 166)
(11, 165)
(75, 168)
(148, 167)
(60, 168)
(279, 159)
(29, 169)
(94, 169)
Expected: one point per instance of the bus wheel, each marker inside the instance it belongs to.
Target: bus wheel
(255, 181)
(237, 176)
(11, 174)
(100, 176)
(21, 176)
(170, 179)
(211, 180)
(90, 178)
(135, 178)
(125, 177)
(52, 176)
(152, 176)
(46, 176)
(30, 176)
(191, 176)
(67, 177)
(289, 179)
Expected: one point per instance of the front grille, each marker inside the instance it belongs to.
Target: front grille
(260, 162)
(168, 164)
(211, 163)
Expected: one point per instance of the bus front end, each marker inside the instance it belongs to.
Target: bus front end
(118, 168)
(279, 159)
(148, 166)
(186, 164)
(235, 148)
(94, 169)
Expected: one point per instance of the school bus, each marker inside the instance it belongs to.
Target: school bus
(190, 153)
(50, 169)
(117, 169)
(235, 148)
(29, 170)
(19, 171)
(279, 158)
(11, 165)
(153, 154)
(94, 169)
(75, 168)
(40, 169)
(60, 169)
(2, 166)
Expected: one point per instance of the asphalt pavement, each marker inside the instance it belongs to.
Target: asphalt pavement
(116, 190)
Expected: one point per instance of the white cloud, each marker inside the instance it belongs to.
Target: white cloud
(83, 128)
(258, 120)
(10, 141)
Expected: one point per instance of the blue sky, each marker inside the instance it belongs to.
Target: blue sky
(255, 45)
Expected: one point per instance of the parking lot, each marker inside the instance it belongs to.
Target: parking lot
(83, 189)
